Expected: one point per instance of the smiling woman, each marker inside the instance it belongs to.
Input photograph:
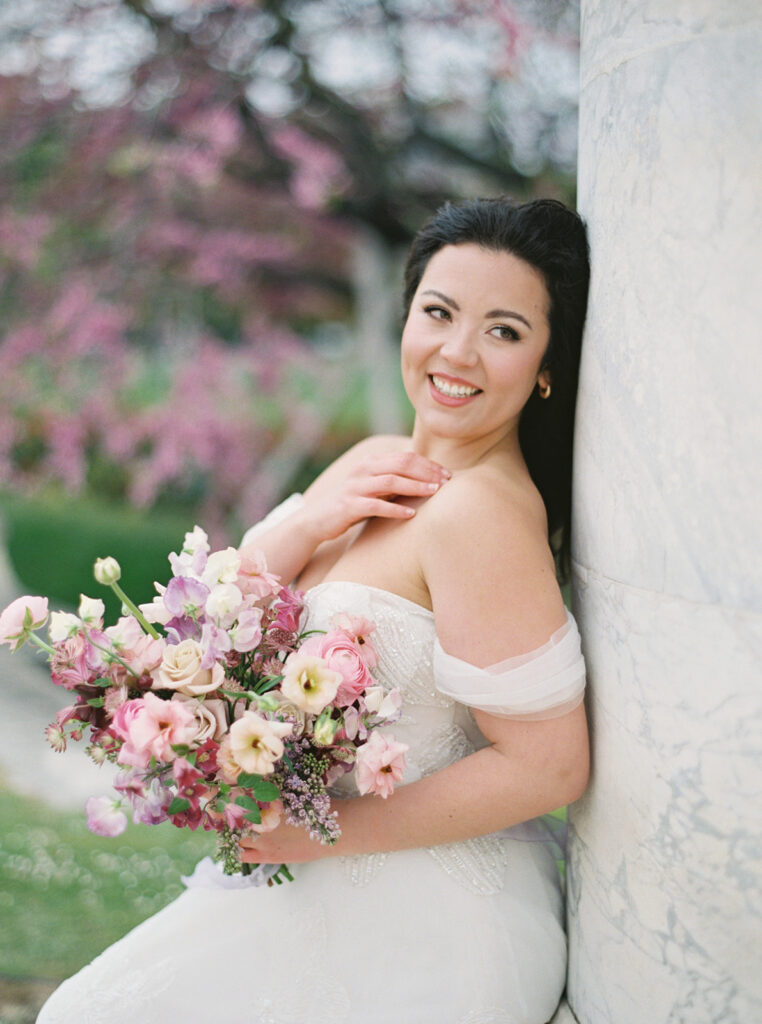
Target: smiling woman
(441, 540)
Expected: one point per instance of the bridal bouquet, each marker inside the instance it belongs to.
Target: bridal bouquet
(220, 709)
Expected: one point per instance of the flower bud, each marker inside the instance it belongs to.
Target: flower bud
(107, 571)
(325, 729)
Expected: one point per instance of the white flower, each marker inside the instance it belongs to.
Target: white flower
(62, 625)
(107, 571)
(309, 683)
(155, 611)
(256, 743)
(221, 567)
(91, 609)
(373, 697)
(223, 603)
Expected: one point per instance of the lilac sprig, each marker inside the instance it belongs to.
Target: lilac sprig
(306, 803)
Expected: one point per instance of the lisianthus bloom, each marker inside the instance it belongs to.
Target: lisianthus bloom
(256, 743)
(342, 655)
(180, 669)
(309, 682)
(105, 816)
(380, 764)
(21, 617)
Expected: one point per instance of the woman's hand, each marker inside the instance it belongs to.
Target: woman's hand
(286, 844)
(370, 489)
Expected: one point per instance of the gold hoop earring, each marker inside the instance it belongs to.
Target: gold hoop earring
(544, 390)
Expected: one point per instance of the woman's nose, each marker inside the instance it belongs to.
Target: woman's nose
(459, 348)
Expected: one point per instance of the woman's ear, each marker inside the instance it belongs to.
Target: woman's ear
(543, 383)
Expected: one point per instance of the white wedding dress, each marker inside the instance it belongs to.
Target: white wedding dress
(468, 933)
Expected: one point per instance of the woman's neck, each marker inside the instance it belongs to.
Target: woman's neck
(456, 453)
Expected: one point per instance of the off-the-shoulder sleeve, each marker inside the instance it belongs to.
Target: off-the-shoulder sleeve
(545, 683)
(277, 515)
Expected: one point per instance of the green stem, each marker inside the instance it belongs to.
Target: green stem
(41, 643)
(112, 656)
(135, 611)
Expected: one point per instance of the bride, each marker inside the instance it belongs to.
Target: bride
(432, 908)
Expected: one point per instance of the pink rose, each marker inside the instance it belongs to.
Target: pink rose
(344, 656)
(21, 617)
(380, 764)
(358, 630)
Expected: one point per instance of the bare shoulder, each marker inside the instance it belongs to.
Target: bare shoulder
(488, 566)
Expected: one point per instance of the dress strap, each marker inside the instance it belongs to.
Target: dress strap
(545, 683)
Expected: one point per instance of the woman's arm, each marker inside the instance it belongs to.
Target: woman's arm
(357, 486)
(494, 595)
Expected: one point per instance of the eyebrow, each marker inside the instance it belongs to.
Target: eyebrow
(488, 316)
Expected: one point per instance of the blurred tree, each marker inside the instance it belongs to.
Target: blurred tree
(193, 192)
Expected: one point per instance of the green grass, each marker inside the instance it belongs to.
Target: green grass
(66, 894)
(53, 542)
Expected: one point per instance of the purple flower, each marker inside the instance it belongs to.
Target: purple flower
(185, 596)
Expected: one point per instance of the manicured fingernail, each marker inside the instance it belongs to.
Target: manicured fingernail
(409, 511)
(432, 487)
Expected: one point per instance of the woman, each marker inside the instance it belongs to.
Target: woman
(427, 909)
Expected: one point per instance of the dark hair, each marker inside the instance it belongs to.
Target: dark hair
(552, 239)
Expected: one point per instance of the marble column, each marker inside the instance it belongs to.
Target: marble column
(665, 876)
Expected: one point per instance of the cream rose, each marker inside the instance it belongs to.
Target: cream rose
(210, 715)
(181, 670)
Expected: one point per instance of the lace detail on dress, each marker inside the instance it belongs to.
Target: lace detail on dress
(446, 745)
(363, 868)
(477, 864)
(313, 994)
(138, 989)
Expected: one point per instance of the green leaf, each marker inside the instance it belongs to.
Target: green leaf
(254, 816)
(247, 802)
(103, 681)
(248, 779)
(178, 804)
(96, 702)
(265, 791)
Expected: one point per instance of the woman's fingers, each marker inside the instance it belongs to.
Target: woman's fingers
(409, 465)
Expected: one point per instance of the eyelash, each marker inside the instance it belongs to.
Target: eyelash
(511, 335)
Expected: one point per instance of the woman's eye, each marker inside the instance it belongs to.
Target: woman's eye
(437, 312)
(505, 333)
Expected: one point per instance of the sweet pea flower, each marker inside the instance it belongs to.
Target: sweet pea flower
(223, 603)
(125, 633)
(105, 816)
(221, 567)
(192, 558)
(380, 764)
(91, 610)
(384, 705)
(309, 682)
(185, 596)
(156, 610)
(62, 626)
(246, 633)
(20, 618)
(253, 577)
(256, 743)
(181, 669)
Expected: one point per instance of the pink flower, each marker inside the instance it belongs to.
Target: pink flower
(289, 608)
(271, 815)
(75, 662)
(253, 577)
(105, 816)
(154, 729)
(144, 655)
(344, 656)
(358, 630)
(21, 617)
(380, 764)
